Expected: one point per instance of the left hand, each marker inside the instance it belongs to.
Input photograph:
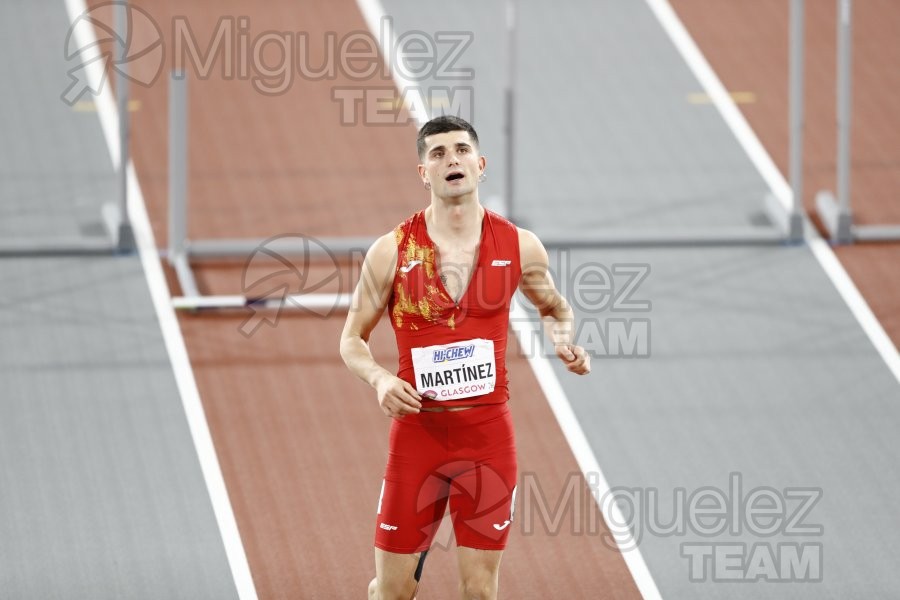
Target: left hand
(576, 358)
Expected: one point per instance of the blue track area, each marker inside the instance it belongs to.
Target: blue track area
(102, 493)
(55, 171)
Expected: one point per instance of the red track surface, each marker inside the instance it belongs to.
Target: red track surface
(302, 444)
(747, 45)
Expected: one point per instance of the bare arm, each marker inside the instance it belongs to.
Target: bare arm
(395, 396)
(537, 285)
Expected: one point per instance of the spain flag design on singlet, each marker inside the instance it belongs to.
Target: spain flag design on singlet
(454, 337)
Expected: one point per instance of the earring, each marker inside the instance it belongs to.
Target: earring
(427, 185)
(482, 177)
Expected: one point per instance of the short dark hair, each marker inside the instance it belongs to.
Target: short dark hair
(443, 124)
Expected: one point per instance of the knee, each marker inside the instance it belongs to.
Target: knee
(478, 587)
(390, 590)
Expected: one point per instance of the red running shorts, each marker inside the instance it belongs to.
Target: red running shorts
(466, 459)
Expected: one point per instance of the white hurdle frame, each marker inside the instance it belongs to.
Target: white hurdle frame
(787, 224)
(836, 213)
(114, 215)
(182, 250)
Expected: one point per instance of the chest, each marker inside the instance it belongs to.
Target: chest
(457, 285)
(455, 265)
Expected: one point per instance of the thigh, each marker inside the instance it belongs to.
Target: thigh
(414, 492)
(482, 497)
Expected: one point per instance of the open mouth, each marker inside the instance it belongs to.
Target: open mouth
(454, 176)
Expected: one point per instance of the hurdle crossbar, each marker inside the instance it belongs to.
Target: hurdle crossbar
(308, 302)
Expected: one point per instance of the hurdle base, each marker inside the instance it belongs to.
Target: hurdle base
(840, 225)
(876, 233)
(837, 223)
(651, 237)
(57, 246)
(288, 246)
(790, 223)
(118, 228)
(319, 304)
(119, 240)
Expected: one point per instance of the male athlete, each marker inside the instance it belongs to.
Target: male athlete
(447, 275)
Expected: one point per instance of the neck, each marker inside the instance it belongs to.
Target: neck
(454, 218)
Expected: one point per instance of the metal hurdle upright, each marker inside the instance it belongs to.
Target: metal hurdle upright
(836, 213)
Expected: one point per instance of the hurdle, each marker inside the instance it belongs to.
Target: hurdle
(114, 214)
(836, 213)
(182, 251)
(785, 224)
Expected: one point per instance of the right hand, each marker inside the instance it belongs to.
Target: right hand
(397, 397)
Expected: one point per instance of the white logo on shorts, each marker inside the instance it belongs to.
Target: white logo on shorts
(387, 527)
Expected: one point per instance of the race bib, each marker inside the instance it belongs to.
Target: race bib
(455, 371)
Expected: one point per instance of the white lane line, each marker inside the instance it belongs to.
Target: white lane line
(373, 12)
(159, 291)
(854, 299)
(530, 337)
(775, 180)
(383, 30)
(720, 97)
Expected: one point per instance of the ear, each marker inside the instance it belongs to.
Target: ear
(422, 173)
(482, 162)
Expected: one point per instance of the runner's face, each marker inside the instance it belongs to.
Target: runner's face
(452, 164)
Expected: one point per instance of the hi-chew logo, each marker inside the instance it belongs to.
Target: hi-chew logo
(454, 353)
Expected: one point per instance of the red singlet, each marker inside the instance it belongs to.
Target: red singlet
(424, 315)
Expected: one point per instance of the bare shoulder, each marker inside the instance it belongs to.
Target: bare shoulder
(384, 247)
(381, 258)
(531, 249)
